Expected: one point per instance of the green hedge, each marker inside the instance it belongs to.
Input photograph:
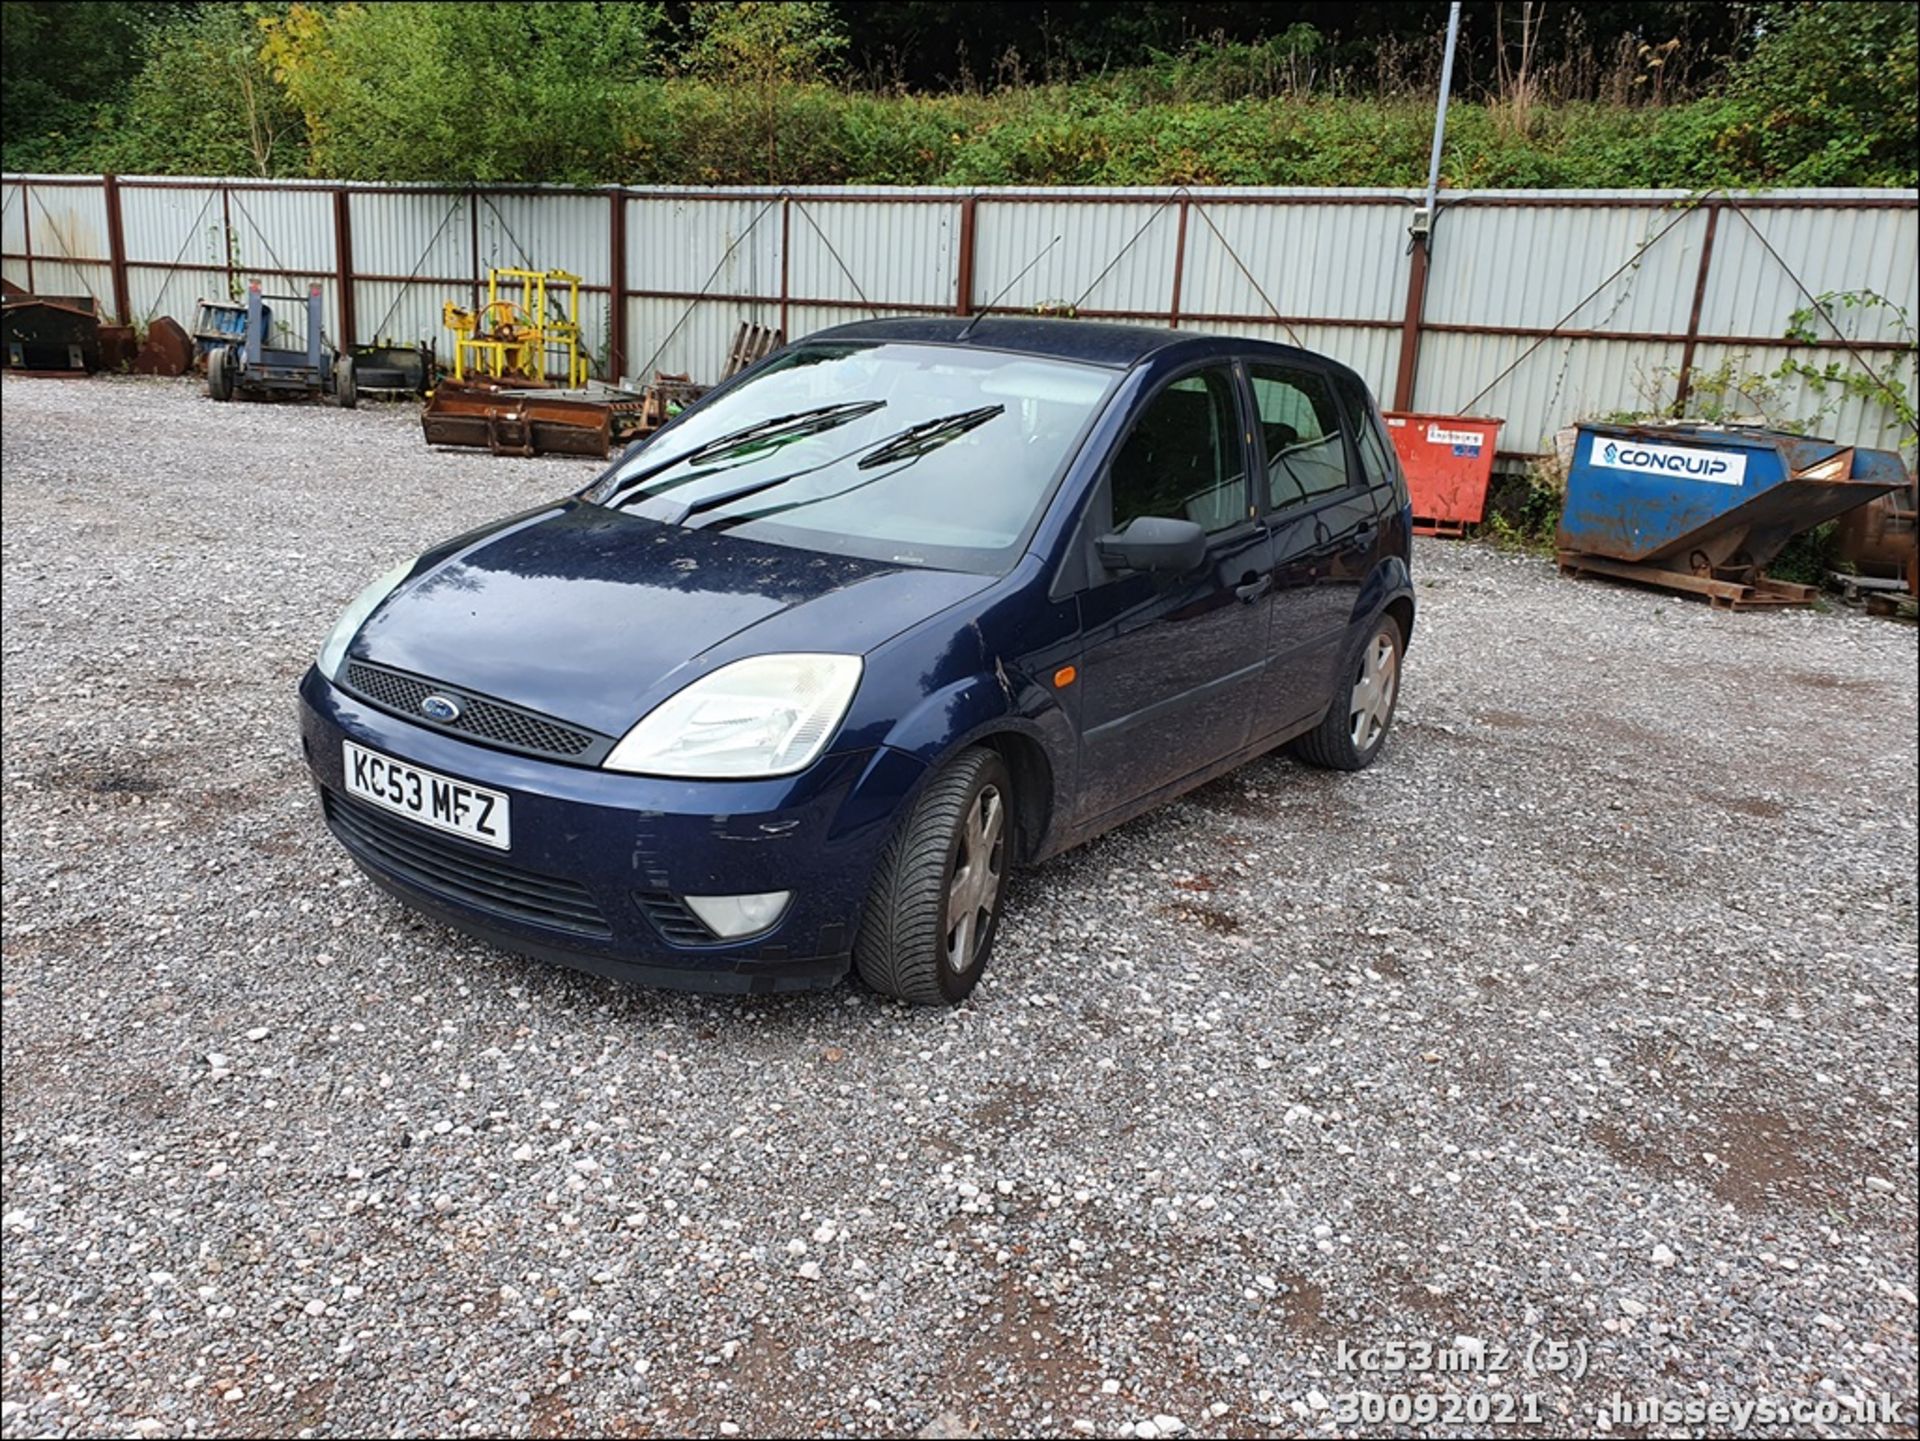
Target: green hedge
(457, 93)
(690, 132)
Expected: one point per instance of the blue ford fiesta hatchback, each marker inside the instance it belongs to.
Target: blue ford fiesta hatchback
(795, 683)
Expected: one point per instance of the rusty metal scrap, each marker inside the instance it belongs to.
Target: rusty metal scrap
(529, 421)
(1881, 538)
(118, 345)
(167, 350)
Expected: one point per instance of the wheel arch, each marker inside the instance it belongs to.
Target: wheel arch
(1026, 761)
(1388, 591)
(1401, 609)
(1018, 720)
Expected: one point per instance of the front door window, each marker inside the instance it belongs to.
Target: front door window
(1184, 458)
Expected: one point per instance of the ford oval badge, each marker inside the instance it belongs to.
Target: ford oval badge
(443, 708)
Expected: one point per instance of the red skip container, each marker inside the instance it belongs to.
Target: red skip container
(1448, 460)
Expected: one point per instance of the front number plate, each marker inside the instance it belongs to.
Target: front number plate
(432, 799)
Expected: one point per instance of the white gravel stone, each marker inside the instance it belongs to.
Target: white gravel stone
(1632, 884)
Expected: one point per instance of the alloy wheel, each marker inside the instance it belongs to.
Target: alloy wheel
(974, 889)
(1372, 703)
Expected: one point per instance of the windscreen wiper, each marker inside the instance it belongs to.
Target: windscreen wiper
(784, 427)
(906, 446)
(774, 431)
(917, 440)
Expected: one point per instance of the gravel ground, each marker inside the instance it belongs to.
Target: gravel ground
(1587, 1016)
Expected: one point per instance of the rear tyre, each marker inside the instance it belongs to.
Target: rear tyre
(346, 385)
(221, 364)
(935, 903)
(1355, 726)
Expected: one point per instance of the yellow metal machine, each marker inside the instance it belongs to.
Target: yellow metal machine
(514, 337)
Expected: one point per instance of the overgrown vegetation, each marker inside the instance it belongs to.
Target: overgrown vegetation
(1314, 94)
(1523, 509)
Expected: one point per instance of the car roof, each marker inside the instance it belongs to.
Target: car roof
(1089, 342)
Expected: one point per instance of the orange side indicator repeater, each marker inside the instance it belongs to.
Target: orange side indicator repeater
(1065, 677)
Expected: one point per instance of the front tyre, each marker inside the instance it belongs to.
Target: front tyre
(935, 902)
(1355, 726)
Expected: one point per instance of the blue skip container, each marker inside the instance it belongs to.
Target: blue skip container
(1704, 508)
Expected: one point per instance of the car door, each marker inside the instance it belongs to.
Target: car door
(1171, 664)
(1323, 526)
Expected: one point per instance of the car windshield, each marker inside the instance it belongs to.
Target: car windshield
(916, 454)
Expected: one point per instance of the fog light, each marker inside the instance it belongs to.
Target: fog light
(730, 916)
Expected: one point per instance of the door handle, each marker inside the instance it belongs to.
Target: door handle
(1254, 589)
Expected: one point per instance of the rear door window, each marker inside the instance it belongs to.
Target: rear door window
(1304, 434)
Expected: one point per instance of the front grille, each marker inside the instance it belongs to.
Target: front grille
(444, 867)
(673, 920)
(489, 720)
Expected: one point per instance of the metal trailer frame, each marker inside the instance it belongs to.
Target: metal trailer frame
(255, 370)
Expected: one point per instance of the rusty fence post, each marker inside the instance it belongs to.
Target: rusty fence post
(616, 286)
(963, 286)
(26, 234)
(117, 252)
(226, 239)
(786, 261)
(1410, 323)
(1179, 267)
(343, 268)
(1684, 386)
(473, 240)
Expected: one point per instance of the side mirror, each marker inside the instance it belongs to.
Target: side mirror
(1155, 542)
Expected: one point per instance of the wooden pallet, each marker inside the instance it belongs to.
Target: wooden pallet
(1757, 594)
(658, 398)
(751, 342)
(1906, 607)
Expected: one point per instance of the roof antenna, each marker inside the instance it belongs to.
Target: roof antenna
(981, 312)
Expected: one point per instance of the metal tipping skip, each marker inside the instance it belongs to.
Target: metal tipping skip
(1704, 509)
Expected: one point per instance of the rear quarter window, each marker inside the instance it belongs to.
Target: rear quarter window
(1377, 462)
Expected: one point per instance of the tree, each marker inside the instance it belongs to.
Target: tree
(207, 101)
(764, 48)
(465, 92)
(57, 64)
(1829, 94)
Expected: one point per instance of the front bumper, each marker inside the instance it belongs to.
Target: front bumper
(599, 859)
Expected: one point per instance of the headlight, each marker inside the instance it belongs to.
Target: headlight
(769, 715)
(354, 616)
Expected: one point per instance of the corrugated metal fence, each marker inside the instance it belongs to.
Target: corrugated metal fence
(1538, 306)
